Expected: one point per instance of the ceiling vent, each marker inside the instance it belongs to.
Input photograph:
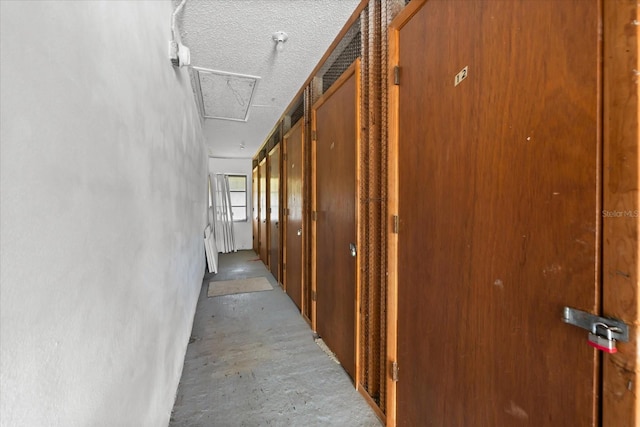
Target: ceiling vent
(222, 95)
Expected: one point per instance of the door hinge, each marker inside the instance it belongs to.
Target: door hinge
(284, 265)
(314, 216)
(314, 296)
(396, 75)
(284, 157)
(314, 135)
(394, 371)
(396, 224)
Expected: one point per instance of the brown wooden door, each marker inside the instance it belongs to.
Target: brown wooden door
(274, 212)
(293, 171)
(498, 207)
(255, 208)
(335, 126)
(264, 236)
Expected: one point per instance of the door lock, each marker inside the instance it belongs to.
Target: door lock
(601, 338)
(603, 331)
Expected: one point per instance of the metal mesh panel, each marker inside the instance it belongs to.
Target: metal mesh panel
(347, 51)
(373, 203)
(374, 22)
(342, 62)
(270, 142)
(297, 112)
(277, 135)
(378, 207)
(365, 341)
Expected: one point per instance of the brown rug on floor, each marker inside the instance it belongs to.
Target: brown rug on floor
(241, 286)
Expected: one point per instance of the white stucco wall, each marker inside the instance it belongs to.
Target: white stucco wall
(103, 187)
(243, 230)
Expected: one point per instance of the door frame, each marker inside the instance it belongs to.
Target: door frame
(621, 174)
(620, 266)
(286, 141)
(354, 69)
(264, 191)
(284, 221)
(255, 208)
(270, 210)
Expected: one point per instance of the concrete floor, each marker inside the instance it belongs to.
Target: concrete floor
(253, 362)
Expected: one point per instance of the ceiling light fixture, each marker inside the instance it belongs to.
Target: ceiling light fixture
(280, 37)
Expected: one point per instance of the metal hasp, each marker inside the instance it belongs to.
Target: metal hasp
(603, 331)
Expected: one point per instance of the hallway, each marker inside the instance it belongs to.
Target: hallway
(467, 171)
(252, 361)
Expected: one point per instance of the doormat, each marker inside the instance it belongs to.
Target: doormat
(241, 286)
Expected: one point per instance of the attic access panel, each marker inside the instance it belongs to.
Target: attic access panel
(223, 95)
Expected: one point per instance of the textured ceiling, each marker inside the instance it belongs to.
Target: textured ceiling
(235, 36)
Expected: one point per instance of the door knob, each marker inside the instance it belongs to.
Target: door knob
(352, 249)
(299, 232)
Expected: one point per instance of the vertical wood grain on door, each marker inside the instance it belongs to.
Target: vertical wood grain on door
(335, 123)
(274, 212)
(294, 233)
(621, 225)
(498, 200)
(264, 191)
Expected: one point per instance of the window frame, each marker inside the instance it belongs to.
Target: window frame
(245, 191)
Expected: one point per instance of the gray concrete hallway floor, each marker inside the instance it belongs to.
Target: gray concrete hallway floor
(252, 361)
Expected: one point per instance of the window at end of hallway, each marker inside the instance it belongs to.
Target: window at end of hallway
(238, 193)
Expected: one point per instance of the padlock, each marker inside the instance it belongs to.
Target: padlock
(601, 338)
